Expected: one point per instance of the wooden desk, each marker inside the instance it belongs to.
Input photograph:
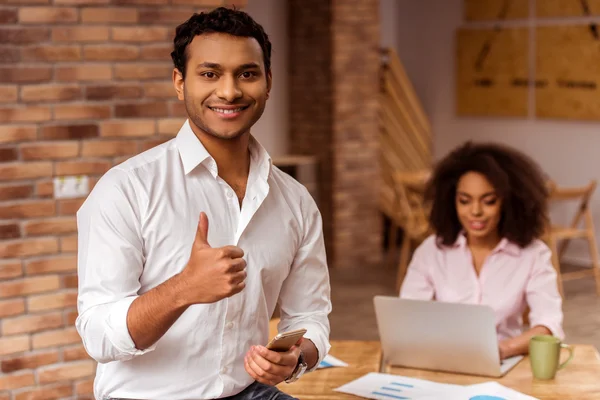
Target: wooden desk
(361, 357)
(580, 379)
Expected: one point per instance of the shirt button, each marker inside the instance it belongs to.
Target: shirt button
(229, 193)
(229, 325)
(224, 370)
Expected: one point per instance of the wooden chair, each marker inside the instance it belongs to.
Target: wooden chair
(556, 233)
(410, 215)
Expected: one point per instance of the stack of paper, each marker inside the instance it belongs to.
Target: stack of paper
(391, 387)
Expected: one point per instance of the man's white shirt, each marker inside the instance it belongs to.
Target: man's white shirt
(136, 230)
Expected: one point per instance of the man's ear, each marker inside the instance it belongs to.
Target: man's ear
(178, 83)
(269, 82)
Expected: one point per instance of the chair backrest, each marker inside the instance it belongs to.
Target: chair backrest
(582, 193)
(410, 207)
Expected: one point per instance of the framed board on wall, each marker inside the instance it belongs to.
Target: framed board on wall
(486, 10)
(492, 72)
(567, 8)
(567, 72)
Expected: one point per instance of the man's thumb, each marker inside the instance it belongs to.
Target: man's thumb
(202, 232)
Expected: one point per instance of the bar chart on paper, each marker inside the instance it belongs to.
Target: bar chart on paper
(393, 387)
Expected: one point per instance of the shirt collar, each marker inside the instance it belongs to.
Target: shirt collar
(505, 245)
(193, 152)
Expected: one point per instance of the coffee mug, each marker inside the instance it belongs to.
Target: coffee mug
(544, 356)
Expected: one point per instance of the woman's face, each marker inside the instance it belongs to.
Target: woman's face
(478, 206)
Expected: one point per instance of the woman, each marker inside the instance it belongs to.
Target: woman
(488, 208)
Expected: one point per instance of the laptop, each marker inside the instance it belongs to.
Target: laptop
(449, 337)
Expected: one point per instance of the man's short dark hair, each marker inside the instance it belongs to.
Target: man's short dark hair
(517, 179)
(220, 20)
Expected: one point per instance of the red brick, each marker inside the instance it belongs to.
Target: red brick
(81, 111)
(14, 192)
(47, 15)
(71, 316)
(31, 323)
(85, 387)
(47, 265)
(148, 144)
(82, 2)
(52, 301)
(27, 286)
(159, 89)
(30, 361)
(23, 35)
(44, 188)
(25, 74)
(117, 15)
(28, 209)
(51, 53)
(50, 92)
(9, 308)
(157, 52)
(59, 337)
(80, 34)
(10, 269)
(75, 353)
(170, 126)
(49, 392)
(9, 54)
(110, 92)
(81, 167)
(8, 94)
(88, 72)
(14, 344)
(139, 71)
(128, 128)
(8, 16)
(111, 52)
(14, 133)
(70, 206)
(141, 110)
(161, 16)
(9, 231)
(49, 151)
(141, 2)
(8, 154)
(177, 109)
(67, 132)
(120, 160)
(108, 148)
(68, 244)
(140, 34)
(67, 371)
(49, 226)
(25, 171)
(70, 282)
(24, 2)
(198, 3)
(17, 380)
(30, 247)
(25, 114)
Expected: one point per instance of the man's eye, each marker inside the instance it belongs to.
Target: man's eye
(209, 75)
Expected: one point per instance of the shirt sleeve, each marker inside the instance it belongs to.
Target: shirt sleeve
(305, 297)
(543, 297)
(418, 284)
(110, 263)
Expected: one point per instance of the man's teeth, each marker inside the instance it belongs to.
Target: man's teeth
(220, 110)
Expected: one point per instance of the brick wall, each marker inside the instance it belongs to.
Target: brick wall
(334, 86)
(84, 84)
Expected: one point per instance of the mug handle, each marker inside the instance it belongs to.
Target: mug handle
(570, 348)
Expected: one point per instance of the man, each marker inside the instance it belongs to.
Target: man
(185, 250)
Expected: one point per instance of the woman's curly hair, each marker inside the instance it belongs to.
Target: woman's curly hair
(517, 179)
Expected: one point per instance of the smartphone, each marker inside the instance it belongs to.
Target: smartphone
(285, 340)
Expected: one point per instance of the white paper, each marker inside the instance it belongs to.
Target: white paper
(330, 361)
(390, 387)
(393, 387)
